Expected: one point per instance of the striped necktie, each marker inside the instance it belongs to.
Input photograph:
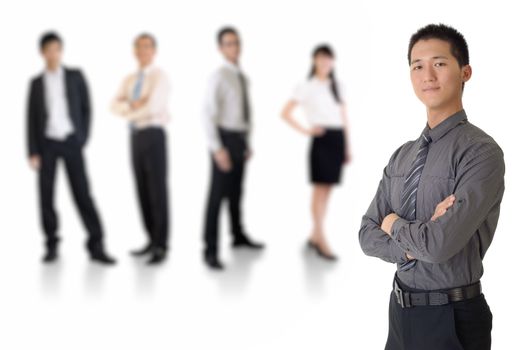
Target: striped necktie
(411, 182)
(245, 97)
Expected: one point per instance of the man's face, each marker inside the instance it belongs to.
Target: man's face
(51, 53)
(436, 75)
(144, 51)
(230, 47)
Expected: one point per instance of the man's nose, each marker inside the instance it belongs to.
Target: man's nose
(428, 74)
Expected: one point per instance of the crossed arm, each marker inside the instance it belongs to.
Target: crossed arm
(478, 193)
(144, 107)
(441, 209)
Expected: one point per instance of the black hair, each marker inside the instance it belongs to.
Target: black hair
(145, 36)
(459, 47)
(223, 31)
(49, 37)
(327, 51)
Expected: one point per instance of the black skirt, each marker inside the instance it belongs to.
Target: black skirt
(327, 155)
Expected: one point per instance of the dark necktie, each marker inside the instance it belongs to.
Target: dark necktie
(411, 181)
(245, 97)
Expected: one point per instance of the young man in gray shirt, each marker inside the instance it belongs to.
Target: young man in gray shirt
(436, 208)
(227, 121)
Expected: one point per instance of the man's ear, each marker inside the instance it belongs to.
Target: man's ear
(466, 73)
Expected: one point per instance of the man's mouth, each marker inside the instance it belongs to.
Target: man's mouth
(431, 89)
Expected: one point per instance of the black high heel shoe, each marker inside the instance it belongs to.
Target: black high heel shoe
(320, 252)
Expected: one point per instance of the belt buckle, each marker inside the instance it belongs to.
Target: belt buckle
(399, 295)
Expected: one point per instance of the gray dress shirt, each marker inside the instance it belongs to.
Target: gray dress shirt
(464, 161)
(224, 105)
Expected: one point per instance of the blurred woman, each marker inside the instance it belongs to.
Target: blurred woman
(322, 99)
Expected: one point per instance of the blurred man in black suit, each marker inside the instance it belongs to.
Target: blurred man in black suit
(58, 120)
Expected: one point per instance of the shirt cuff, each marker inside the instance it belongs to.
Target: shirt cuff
(215, 145)
(396, 229)
(121, 108)
(399, 256)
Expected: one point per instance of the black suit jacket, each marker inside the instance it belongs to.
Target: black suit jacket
(78, 107)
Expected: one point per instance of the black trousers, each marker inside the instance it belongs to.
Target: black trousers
(71, 152)
(463, 325)
(150, 168)
(226, 185)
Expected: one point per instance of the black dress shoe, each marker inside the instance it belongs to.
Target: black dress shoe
(102, 258)
(50, 256)
(246, 242)
(212, 262)
(158, 255)
(143, 251)
(320, 252)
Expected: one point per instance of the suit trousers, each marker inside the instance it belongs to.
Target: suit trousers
(462, 325)
(149, 158)
(226, 185)
(70, 151)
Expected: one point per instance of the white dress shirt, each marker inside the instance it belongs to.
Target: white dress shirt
(319, 104)
(155, 87)
(59, 125)
(223, 106)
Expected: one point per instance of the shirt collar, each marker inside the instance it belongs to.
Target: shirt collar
(445, 126)
(146, 70)
(316, 80)
(232, 66)
(58, 72)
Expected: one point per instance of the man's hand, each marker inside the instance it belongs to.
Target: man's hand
(35, 162)
(443, 206)
(387, 225)
(347, 157)
(388, 222)
(223, 160)
(441, 209)
(138, 103)
(248, 154)
(409, 257)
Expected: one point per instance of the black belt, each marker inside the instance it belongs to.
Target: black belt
(443, 297)
(150, 128)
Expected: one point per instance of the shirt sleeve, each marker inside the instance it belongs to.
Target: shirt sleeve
(479, 189)
(157, 100)
(210, 113)
(374, 241)
(120, 104)
(299, 93)
(250, 129)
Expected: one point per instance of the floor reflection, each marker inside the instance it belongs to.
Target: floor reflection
(95, 277)
(51, 275)
(238, 270)
(316, 270)
(146, 275)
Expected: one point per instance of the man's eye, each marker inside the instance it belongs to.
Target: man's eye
(439, 64)
(417, 67)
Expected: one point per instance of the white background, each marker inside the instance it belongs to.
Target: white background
(283, 298)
